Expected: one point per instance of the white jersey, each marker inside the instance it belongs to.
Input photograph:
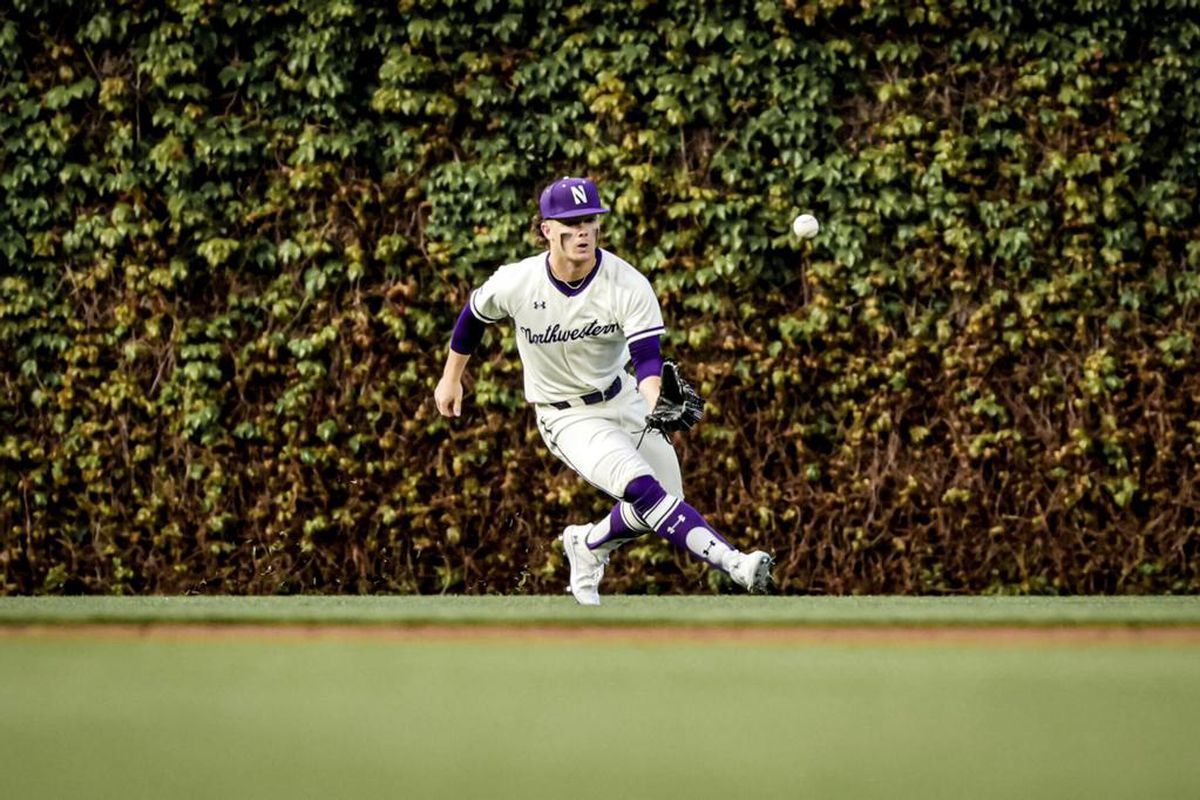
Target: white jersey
(572, 342)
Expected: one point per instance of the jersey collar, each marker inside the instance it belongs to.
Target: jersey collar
(567, 289)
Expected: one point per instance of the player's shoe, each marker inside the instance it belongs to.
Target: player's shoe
(751, 571)
(587, 567)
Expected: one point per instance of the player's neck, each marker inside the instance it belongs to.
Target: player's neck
(571, 271)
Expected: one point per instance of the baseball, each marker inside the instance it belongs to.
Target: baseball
(805, 226)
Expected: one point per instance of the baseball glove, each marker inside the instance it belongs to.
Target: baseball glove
(679, 406)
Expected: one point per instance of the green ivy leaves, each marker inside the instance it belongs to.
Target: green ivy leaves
(234, 238)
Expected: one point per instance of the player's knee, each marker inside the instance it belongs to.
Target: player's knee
(644, 493)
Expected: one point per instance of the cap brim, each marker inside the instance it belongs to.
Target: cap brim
(578, 212)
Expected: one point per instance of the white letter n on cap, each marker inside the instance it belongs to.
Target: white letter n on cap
(580, 195)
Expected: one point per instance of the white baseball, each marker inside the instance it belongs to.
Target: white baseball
(805, 226)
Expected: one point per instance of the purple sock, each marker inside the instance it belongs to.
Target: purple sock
(677, 522)
(683, 527)
(619, 526)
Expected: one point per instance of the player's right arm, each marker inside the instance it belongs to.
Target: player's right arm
(468, 331)
(449, 392)
(485, 306)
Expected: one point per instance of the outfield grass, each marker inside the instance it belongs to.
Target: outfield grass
(626, 610)
(84, 714)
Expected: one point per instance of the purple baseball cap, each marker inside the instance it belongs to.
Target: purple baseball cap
(570, 197)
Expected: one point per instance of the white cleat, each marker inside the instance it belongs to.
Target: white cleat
(751, 571)
(587, 567)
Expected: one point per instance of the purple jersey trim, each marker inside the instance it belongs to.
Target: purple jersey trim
(468, 332)
(562, 286)
(477, 312)
(656, 331)
(647, 357)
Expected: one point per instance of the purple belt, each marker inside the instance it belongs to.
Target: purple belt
(591, 398)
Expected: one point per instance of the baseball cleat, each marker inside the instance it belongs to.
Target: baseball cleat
(752, 571)
(587, 567)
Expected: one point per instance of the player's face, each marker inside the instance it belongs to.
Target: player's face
(575, 238)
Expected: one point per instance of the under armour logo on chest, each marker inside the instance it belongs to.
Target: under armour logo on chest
(539, 303)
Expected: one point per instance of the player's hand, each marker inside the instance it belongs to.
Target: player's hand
(449, 396)
(679, 405)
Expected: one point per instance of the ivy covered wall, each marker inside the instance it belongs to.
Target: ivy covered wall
(234, 237)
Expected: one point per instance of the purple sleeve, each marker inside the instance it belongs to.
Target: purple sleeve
(468, 332)
(647, 357)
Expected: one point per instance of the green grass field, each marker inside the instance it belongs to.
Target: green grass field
(100, 713)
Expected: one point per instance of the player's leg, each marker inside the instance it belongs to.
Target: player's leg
(622, 523)
(579, 446)
(683, 526)
(593, 443)
(600, 450)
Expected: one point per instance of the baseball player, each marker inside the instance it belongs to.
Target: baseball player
(581, 314)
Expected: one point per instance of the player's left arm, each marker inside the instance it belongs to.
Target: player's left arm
(674, 404)
(641, 319)
(650, 388)
(646, 354)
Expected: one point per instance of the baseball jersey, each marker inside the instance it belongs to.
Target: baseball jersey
(572, 341)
